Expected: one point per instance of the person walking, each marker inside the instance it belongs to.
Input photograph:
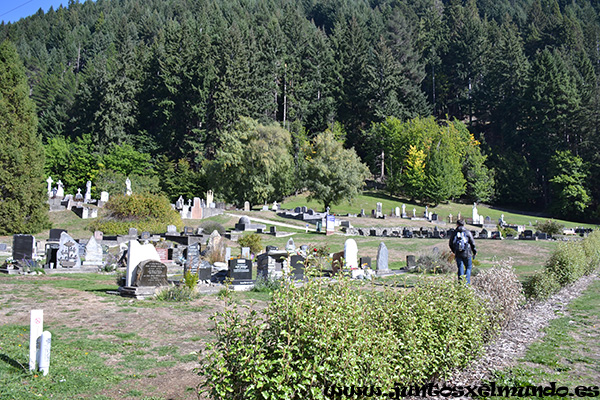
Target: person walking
(462, 245)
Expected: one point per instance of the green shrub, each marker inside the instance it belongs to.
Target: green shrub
(253, 241)
(503, 291)
(176, 293)
(436, 262)
(211, 226)
(143, 211)
(550, 227)
(541, 285)
(591, 247)
(567, 263)
(322, 334)
(266, 285)
(190, 280)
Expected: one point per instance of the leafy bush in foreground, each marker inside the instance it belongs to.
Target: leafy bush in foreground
(325, 334)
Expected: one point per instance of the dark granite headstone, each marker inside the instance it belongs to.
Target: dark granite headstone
(188, 231)
(270, 247)
(193, 258)
(204, 271)
(151, 273)
(273, 230)
(411, 261)
(297, 266)
(240, 270)
(23, 247)
(55, 234)
(365, 262)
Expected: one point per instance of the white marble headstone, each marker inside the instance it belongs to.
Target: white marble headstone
(351, 254)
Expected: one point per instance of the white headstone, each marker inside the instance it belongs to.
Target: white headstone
(88, 192)
(93, 252)
(36, 328)
(414, 212)
(275, 206)
(50, 182)
(135, 255)
(128, 186)
(403, 209)
(104, 196)
(351, 254)
(68, 252)
(290, 246)
(43, 356)
(246, 206)
(246, 252)
(397, 211)
(60, 191)
(209, 197)
(475, 214)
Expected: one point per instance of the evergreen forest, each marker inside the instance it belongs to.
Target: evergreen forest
(472, 100)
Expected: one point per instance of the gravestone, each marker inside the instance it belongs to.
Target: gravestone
(270, 248)
(240, 270)
(411, 261)
(23, 247)
(397, 212)
(351, 254)
(145, 235)
(188, 231)
(135, 255)
(179, 203)
(55, 234)
(196, 209)
(297, 266)
(3, 246)
(151, 273)
(403, 210)
(215, 248)
(93, 253)
(246, 206)
(382, 258)
(246, 252)
(193, 258)
(88, 192)
(99, 236)
(273, 230)
(290, 246)
(68, 252)
(172, 230)
(227, 254)
(336, 261)
(204, 271)
(434, 217)
(365, 262)
(379, 212)
(104, 196)
(132, 232)
(163, 255)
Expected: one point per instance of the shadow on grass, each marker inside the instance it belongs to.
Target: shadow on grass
(13, 363)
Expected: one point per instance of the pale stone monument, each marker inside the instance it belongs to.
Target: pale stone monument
(128, 186)
(351, 254)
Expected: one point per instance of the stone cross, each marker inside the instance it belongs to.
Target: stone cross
(49, 181)
(88, 192)
(128, 186)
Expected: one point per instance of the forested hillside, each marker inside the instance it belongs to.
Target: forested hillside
(151, 88)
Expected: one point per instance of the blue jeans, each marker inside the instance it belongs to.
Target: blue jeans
(464, 264)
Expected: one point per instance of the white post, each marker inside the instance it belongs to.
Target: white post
(44, 354)
(36, 327)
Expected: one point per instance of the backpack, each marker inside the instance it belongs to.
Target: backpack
(460, 242)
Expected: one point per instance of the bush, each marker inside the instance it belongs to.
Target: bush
(253, 241)
(503, 291)
(591, 247)
(436, 262)
(146, 212)
(267, 285)
(541, 285)
(190, 280)
(567, 263)
(550, 227)
(211, 226)
(319, 335)
(176, 293)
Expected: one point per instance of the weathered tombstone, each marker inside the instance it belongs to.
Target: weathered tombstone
(179, 203)
(93, 253)
(210, 198)
(336, 261)
(379, 212)
(297, 266)
(196, 209)
(246, 252)
(397, 212)
(382, 258)
(411, 261)
(88, 192)
(3, 246)
(188, 231)
(414, 212)
(104, 196)
(227, 254)
(99, 236)
(135, 255)
(204, 271)
(298, 210)
(68, 252)
(434, 217)
(49, 181)
(215, 248)
(351, 254)
(475, 214)
(145, 235)
(365, 262)
(275, 206)
(172, 230)
(246, 206)
(290, 246)
(151, 273)
(132, 232)
(240, 270)
(403, 210)
(273, 230)
(60, 191)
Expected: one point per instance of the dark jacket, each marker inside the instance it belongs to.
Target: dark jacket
(471, 250)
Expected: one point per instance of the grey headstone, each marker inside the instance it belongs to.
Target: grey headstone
(290, 246)
(145, 235)
(411, 261)
(382, 257)
(151, 273)
(3, 246)
(133, 232)
(246, 252)
(240, 270)
(68, 252)
(297, 266)
(193, 258)
(93, 252)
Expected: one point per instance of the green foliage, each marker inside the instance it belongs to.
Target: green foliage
(114, 183)
(22, 192)
(541, 285)
(436, 262)
(254, 163)
(591, 246)
(190, 280)
(209, 227)
(567, 180)
(333, 173)
(266, 285)
(176, 293)
(253, 241)
(146, 212)
(550, 227)
(126, 160)
(567, 263)
(306, 333)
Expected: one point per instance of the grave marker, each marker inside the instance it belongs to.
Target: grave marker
(151, 273)
(68, 252)
(382, 258)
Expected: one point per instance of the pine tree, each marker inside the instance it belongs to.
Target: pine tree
(22, 188)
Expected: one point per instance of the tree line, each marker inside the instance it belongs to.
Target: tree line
(512, 86)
